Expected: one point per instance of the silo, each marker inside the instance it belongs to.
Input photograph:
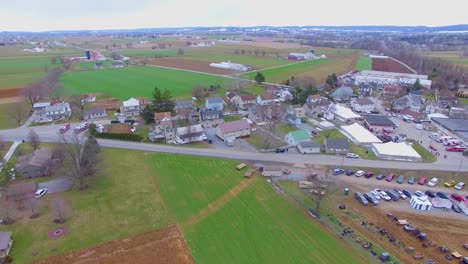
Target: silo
(88, 55)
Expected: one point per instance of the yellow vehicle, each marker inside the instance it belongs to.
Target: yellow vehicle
(450, 183)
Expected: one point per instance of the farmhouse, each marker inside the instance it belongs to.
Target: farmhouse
(396, 151)
(94, 114)
(359, 135)
(308, 147)
(381, 77)
(6, 242)
(336, 145)
(293, 138)
(131, 107)
(266, 99)
(41, 106)
(211, 118)
(261, 114)
(57, 111)
(162, 133)
(36, 164)
(364, 105)
(342, 113)
(234, 129)
(392, 91)
(88, 98)
(214, 103)
(316, 106)
(343, 93)
(378, 122)
(188, 134)
(411, 101)
(163, 119)
(232, 97)
(246, 101)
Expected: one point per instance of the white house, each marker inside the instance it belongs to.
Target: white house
(41, 105)
(292, 138)
(285, 95)
(308, 147)
(342, 113)
(88, 98)
(131, 107)
(58, 111)
(188, 134)
(234, 129)
(364, 105)
(266, 99)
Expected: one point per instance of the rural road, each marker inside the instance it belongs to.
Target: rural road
(50, 134)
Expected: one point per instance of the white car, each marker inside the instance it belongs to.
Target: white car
(359, 173)
(459, 185)
(39, 193)
(352, 156)
(375, 194)
(419, 193)
(402, 195)
(433, 182)
(383, 195)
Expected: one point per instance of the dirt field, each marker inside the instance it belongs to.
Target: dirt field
(388, 65)
(110, 104)
(444, 228)
(192, 65)
(7, 93)
(122, 128)
(162, 246)
(269, 44)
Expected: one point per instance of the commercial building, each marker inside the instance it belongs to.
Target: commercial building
(454, 126)
(234, 129)
(378, 122)
(342, 113)
(391, 78)
(359, 135)
(396, 151)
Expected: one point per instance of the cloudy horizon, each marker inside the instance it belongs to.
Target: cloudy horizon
(51, 15)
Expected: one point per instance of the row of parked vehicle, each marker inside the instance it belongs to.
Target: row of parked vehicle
(373, 197)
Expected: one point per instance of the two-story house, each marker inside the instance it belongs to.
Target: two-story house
(316, 106)
(131, 107)
(211, 118)
(214, 103)
(246, 101)
(364, 105)
(267, 99)
(58, 111)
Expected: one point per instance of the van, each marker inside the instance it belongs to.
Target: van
(395, 196)
(401, 179)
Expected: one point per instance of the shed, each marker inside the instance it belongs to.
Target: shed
(241, 166)
(249, 173)
(308, 147)
(5, 244)
(421, 203)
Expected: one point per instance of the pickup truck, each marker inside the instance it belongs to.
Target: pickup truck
(64, 128)
(81, 128)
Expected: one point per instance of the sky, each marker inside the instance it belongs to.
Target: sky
(46, 15)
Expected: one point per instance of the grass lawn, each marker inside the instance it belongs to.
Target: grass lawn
(6, 121)
(232, 118)
(255, 139)
(425, 154)
(364, 63)
(137, 81)
(260, 226)
(463, 101)
(117, 205)
(282, 129)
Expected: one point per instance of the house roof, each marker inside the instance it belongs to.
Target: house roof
(378, 120)
(234, 126)
(342, 111)
(309, 144)
(337, 143)
(364, 101)
(267, 97)
(41, 104)
(230, 95)
(300, 135)
(214, 100)
(143, 100)
(184, 104)
(453, 124)
(162, 115)
(5, 238)
(209, 112)
(343, 91)
(358, 133)
(93, 112)
(131, 102)
(189, 129)
(38, 158)
(248, 97)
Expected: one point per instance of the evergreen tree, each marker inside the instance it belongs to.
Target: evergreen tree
(259, 78)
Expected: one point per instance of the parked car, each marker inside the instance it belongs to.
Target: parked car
(443, 195)
(450, 183)
(361, 198)
(370, 198)
(383, 195)
(458, 197)
(433, 182)
(369, 174)
(402, 195)
(280, 150)
(115, 121)
(380, 177)
(338, 171)
(394, 195)
(430, 194)
(411, 180)
(390, 177)
(408, 193)
(408, 228)
(418, 193)
(349, 172)
(432, 148)
(375, 194)
(459, 185)
(39, 193)
(359, 173)
(422, 181)
(64, 128)
(400, 179)
(456, 208)
(352, 156)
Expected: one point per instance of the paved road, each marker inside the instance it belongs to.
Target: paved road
(50, 134)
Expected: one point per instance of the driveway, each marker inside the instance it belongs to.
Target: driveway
(239, 144)
(60, 184)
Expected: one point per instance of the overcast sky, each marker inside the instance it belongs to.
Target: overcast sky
(44, 15)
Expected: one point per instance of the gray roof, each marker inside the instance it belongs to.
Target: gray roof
(212, 112)
(184, 104)
(337, 143)
(453, 124)
(309, 144)
(343, 91)
(378, 120)
(214, 100)
(5, 238)
(93, 112)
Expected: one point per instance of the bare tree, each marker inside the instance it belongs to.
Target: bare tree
(198, 91)
(60, 210)
(267, 139)
(19, 112)
(77, 105)
(60, 153)
(34, 205)
(34, 139)
(33, 92)
(321, 188)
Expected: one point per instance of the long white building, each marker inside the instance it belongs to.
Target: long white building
(391, 78)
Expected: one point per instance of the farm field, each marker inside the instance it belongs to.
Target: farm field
(227, 218)
(191, 65)
(317, 69)
(113, 202)
(452, 56)
(364, 63)
(7, 121)
(388, 65)
(137, 81)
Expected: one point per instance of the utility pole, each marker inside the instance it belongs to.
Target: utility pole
(459, 166)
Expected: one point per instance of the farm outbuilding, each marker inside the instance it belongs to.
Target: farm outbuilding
(234, 129)
(421, 203)
(308, 147)
(396, 151)
(359, 135)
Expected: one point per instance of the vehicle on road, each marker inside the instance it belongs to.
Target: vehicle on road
(433, 182)
(349, 173)
(430, 194)
(411, 180)
(337, 171)
(390, 177)
(380, 177)
(401, 179)
(352, 156)
(455, 149)
(418, 193)
(459, 185)
(450, 183)
(39, 193)
(115, 121)
(443, 195)
(433, 148)
(422, 181)
(359, 173)
(280, 150)
(81, 128)
(458, 197)
(63, 129)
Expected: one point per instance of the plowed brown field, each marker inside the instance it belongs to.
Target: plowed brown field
(388, 65)
(7, 93)
(191, 65)
(163, 247)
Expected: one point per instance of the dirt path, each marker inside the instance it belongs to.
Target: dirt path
(218, 204)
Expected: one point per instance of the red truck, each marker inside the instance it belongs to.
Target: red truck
(455, 149)
(64, 128)
(81, 128)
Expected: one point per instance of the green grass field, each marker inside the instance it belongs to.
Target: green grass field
(364, 63)
(117, 205)
(425, 154)
(137, 81)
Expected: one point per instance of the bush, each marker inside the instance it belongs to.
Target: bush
(130, 137)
